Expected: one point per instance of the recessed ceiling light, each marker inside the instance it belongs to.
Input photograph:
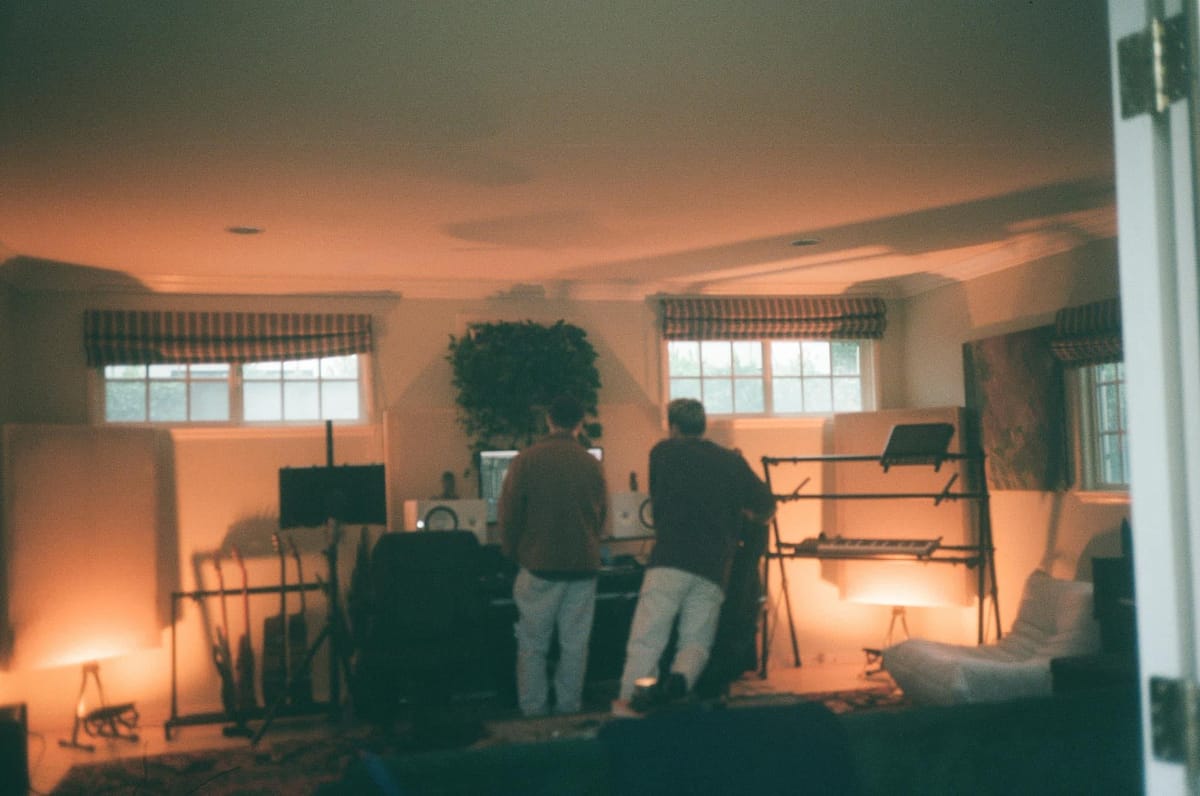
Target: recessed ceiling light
(244, 230)
(806, 242)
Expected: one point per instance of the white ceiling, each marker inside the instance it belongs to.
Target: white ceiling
(467, 147)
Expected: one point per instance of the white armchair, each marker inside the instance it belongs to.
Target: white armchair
(1055, 620)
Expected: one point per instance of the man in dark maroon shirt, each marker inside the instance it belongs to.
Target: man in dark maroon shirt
(701, 495)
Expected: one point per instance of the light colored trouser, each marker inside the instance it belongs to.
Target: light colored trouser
(667, 592)
(542, 605)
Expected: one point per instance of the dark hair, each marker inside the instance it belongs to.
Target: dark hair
(687, 414)
(566, 411)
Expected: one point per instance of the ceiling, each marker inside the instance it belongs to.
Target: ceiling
(467, 147)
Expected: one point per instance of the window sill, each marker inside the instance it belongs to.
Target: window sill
(363, 429)
(1102, 497)
(795, 421)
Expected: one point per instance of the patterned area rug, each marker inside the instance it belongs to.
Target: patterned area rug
(303, 766)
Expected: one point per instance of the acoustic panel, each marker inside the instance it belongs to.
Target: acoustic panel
(81, 526)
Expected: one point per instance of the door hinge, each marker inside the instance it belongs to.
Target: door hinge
(1153, 67)
(1174, 722)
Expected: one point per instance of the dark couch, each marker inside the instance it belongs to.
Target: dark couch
(1086, 742)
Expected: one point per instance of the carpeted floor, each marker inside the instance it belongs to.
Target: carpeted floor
(303, 766)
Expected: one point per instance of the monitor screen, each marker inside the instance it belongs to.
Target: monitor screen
(308, 496)
(493, 466)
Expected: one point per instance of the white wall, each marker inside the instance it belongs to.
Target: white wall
(1057, 531)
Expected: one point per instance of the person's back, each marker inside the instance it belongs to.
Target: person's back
(557, 490)
(551, 513)
(701, 495)
(700, 492)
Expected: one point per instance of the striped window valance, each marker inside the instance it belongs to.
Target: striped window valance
(123, 337)
(1089, 334)
(761, 317)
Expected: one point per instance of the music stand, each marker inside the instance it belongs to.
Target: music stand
(917, 443)
(329, 495)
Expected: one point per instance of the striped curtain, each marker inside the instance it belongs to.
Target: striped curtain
(762, 317)
(1088, 335)
(124, 337)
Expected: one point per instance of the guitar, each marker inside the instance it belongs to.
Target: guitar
(222, 657)
(275, 674)
(300, 685)
(247, 700)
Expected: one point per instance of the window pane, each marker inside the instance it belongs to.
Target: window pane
(300, 401)
(1112, 459)
(124, 371)
(210, 400)
(748, 395)
(718, 396)
(847, 395)
(747, 358)
(683, 358)
(168, 371)
(845, 358)
(125, 401)
(262, 401)
(1107, 371)
(339, 400)
(340, 367)
(301, 369)
(262, 370)
(685, 388)
(1109, 418)
(785, 357)
(168, 401)
(716, 358)
(816, 358)
(817, 397)
(211, 371)
(787, 395)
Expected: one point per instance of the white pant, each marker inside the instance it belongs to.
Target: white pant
(543, 605)
(666, 593)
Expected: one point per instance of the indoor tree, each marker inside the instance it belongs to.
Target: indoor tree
(508, 372)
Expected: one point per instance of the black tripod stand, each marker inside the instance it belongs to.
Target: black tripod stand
(335, 631)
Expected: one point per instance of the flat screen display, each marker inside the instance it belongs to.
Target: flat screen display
(308, 496)
(493, 466)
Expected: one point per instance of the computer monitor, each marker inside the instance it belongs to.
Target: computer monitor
(493, 466)
(308, 496)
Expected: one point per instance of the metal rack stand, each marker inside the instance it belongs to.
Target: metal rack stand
(980, 555)
(259, 713)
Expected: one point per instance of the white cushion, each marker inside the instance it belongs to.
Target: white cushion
(1054, 620)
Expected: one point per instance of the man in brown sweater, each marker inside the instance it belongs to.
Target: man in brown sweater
(551, 512)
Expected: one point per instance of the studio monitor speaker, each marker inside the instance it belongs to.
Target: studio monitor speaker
(630, 514)
(447, 515)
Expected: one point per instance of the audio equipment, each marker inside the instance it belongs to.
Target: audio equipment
(462, 514)
(630, 515)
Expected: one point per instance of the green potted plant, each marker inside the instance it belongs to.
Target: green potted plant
(507, 372)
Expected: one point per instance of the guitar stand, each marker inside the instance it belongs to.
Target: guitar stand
(106, 721)
(335, 630)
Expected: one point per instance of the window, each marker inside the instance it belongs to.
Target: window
(282, 391)
(771, 377)
(1087, 339)
(1101, 427)
(772, 355)
(228, 367)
